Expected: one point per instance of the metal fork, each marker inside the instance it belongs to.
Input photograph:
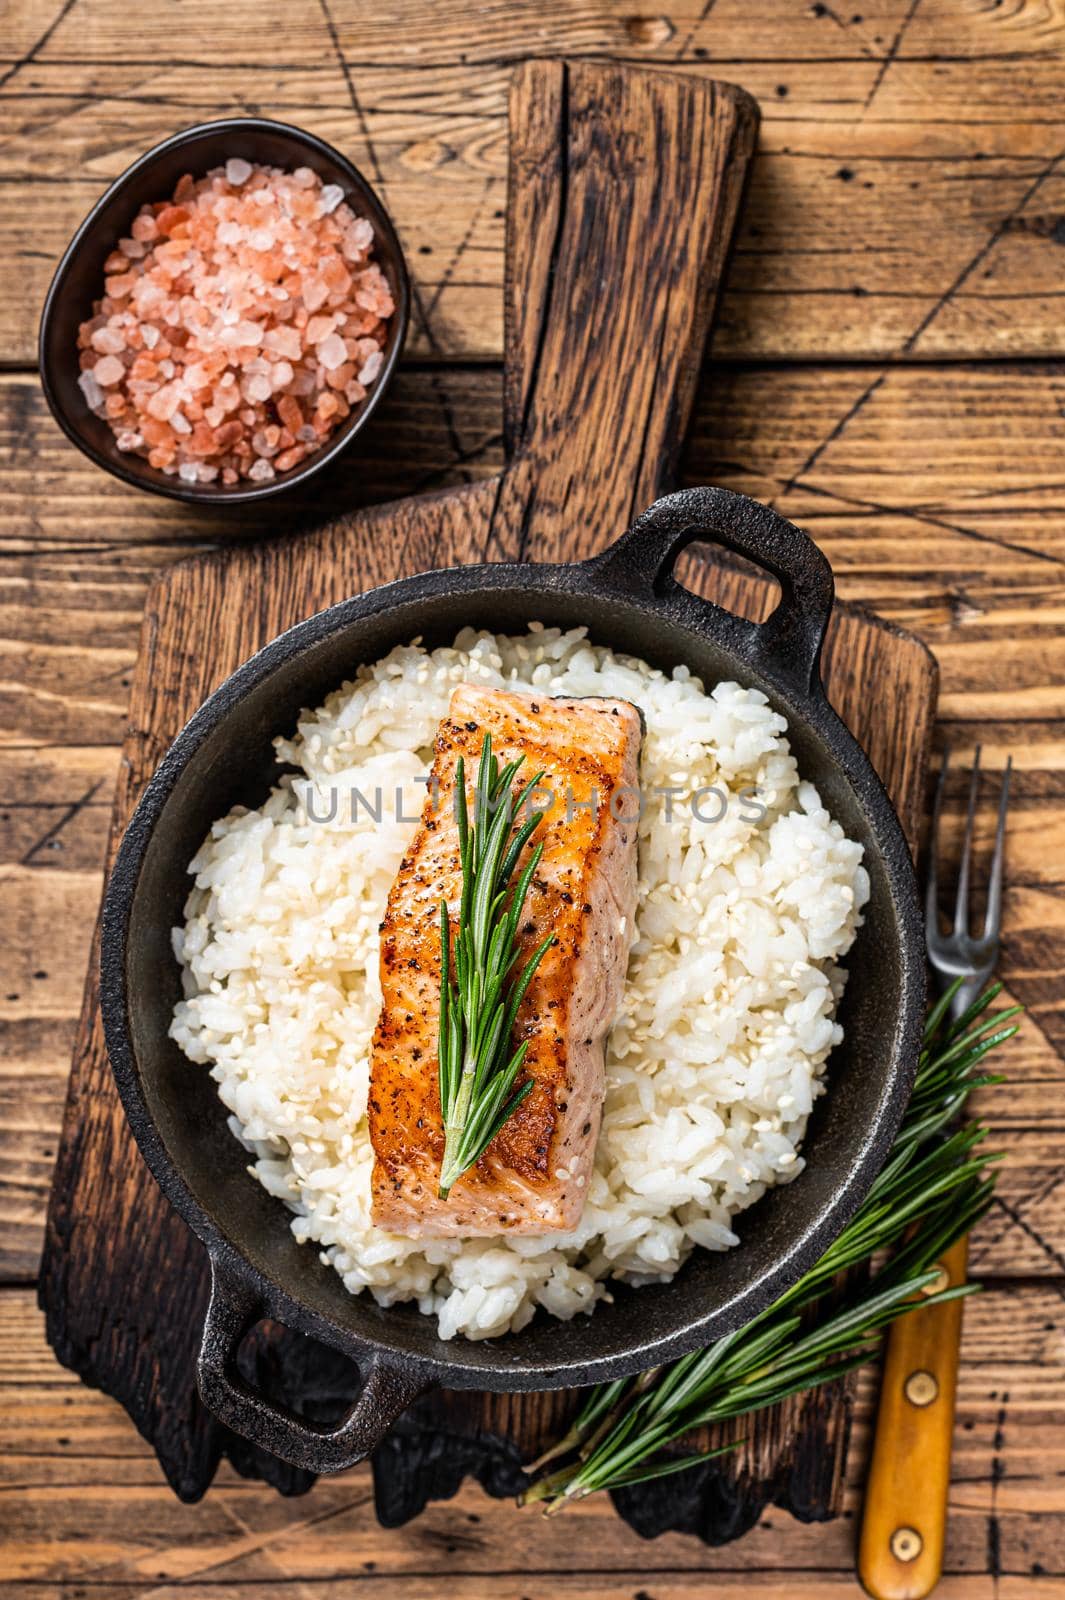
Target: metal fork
(905, 1516)
(960, 954)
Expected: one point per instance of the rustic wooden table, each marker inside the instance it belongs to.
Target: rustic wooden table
(887, 371)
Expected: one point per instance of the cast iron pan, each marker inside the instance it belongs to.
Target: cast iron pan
(629, 600)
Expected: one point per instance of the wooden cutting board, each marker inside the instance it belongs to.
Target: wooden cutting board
(624, 191)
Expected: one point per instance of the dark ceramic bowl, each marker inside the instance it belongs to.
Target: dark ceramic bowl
(79, 280)
(628, 599)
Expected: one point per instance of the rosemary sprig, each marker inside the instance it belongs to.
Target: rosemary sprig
(480, 991)
(932, 1189)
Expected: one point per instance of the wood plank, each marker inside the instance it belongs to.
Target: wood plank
(944, 486)
(576, 1585)
(736, 30)
(899, 204)
(89, 1511)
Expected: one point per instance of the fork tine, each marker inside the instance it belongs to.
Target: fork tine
(961, 904)
(931, 903)
(993, 917)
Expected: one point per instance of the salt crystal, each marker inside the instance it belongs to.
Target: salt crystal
(108, 370)
(94, 395)
(319, 328)
(237, 171)
(284, 342)
(359, 237)
(189, 472)
(180, 423)
(331, 352)
(164, 402)
(262, 445)
(260, 472)
(261, 239)
(330, 198)
(119, 286)
(315, 294)
(150, 335)
(369, 371)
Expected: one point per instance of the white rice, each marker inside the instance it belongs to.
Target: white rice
(728, 1017)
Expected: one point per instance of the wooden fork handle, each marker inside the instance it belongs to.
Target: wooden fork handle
(900, 1556)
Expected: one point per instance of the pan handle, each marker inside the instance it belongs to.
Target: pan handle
(787, 645)
(387, 1390)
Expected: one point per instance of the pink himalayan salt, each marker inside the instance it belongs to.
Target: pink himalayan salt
(319, 328)
(108, 370)
(240, 323)
(330, 352)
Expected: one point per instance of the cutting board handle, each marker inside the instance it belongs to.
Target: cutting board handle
(625, 187)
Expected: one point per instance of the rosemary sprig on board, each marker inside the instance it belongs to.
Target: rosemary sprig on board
(932, 1189)
(480, 990)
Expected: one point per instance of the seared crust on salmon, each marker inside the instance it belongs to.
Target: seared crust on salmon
(533, 1178)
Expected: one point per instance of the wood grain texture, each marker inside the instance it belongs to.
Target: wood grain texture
(88, 1512)
(906, 199)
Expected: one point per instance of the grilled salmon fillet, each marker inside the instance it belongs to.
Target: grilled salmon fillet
(533, 1177)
